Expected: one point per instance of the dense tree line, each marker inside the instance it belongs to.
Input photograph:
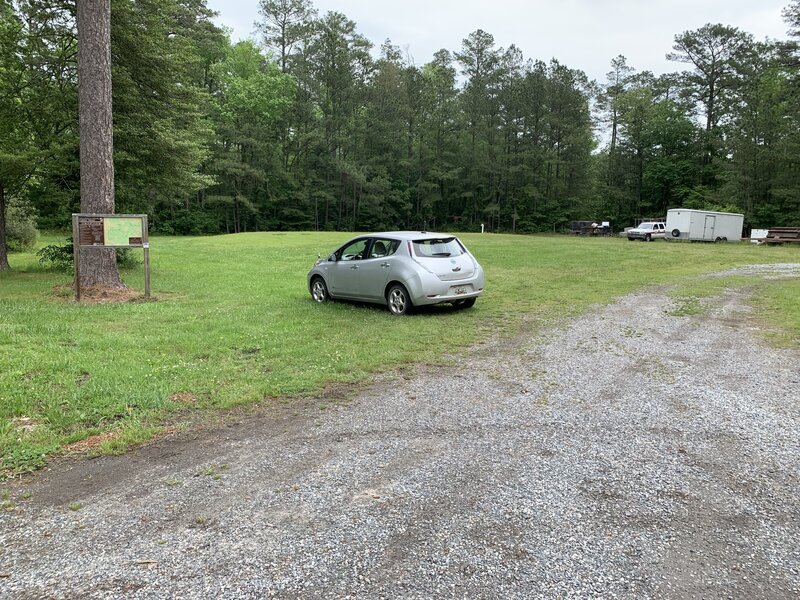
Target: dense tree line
(311, 129)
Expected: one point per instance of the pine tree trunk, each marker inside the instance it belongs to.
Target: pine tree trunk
(98, 265)
(4, 266)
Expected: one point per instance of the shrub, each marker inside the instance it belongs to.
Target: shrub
(58, 258)
(21, 231)
(62, 257)
(127, 258)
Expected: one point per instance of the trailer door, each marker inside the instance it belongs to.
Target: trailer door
(708, 230)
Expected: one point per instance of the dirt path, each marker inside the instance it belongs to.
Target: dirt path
(633, 454)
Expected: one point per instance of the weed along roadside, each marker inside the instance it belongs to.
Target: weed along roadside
(233, 324)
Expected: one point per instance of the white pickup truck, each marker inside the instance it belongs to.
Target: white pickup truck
(648, 231)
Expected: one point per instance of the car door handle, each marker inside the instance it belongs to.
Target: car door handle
(354, 267)
(386, 264)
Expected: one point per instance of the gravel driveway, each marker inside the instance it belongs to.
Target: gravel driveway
(630, 454)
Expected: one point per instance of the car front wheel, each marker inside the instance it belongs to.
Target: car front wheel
(398, 300)
(319, 291)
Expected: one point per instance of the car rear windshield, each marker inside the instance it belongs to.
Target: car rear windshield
(441, 248)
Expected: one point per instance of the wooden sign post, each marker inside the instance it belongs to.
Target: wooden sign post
(110, 231)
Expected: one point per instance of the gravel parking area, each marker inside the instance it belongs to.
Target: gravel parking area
(630, 454)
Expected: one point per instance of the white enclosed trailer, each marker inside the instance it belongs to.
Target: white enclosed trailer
(704, 225)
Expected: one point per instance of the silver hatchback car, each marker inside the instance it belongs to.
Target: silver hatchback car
(401, 269)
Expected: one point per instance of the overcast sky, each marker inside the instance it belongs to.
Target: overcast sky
(583, 34)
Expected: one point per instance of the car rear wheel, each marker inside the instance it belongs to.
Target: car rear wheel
(398, 300)
(466, 303)
(319, 291)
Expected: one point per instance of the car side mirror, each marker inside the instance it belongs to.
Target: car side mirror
(332, 258)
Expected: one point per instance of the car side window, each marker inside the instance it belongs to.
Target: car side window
(382, 248)
(354, 251)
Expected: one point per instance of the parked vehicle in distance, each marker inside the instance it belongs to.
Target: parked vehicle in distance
(401, 269)
(704, 225)
(648, 231)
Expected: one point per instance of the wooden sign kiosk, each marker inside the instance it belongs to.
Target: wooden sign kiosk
(110, 231)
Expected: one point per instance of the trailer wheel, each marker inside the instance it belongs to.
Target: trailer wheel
(718, 240)
(676, 233)
(724, 239)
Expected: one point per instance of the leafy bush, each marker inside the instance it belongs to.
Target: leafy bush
(127, 258)
(62, 257)
(21, 233)
(58, 258)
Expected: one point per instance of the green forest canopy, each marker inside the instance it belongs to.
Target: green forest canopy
(309, 130)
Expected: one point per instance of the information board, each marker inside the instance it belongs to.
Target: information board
(110, 231)
(91, 231)
(123, 231)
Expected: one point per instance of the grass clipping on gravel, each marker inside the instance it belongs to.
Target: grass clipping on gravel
(690, 297)
(235, 325)
(778, 305)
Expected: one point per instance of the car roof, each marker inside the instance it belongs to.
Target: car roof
(410, 235)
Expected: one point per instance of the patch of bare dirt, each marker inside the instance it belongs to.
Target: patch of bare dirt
(184, 397)
(24, 424)
(90, 443)
(82, 378)
(99, 294)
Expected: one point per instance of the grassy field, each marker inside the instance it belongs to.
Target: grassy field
(234, 324)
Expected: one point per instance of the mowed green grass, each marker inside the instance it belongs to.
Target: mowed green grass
(232, 323)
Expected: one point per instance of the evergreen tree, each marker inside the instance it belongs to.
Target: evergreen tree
(316, 134)
(713, 51)
(98, 265)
